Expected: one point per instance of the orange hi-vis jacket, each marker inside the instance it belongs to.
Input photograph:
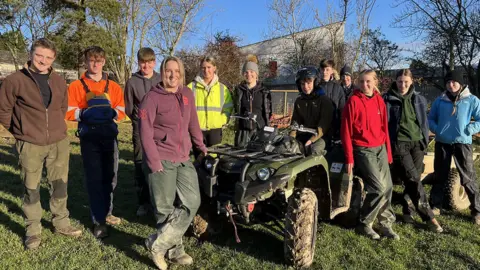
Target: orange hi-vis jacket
(77, 96)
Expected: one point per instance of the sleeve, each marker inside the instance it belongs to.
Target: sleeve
(346, 131)
(325, 121)
(65, 100)
(73, 110)
(146, 116)
(474, 127)
(295, 118)
(118, 103)
(195, 131)
(387, 136)
(129, 99)
(227, 105)
(341, 99)
(433, 117)
(7, 102)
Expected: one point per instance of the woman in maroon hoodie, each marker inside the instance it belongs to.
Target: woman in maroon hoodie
(168, 124)
(364, 134)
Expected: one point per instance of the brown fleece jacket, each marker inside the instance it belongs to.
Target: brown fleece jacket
(23, 112)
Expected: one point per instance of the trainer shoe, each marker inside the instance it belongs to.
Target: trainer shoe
(436, 211)
(69, 231)
(476, 219)
(367, 231)
(113, 220)
(434, 226)
(100, 231)
(32, 242)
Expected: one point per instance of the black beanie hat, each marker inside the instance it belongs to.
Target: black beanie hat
(346, 70)
(455, 75)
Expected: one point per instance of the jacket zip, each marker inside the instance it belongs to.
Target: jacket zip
(180, 128)
(41, 98)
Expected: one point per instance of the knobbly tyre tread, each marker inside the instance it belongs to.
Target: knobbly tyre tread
(457, 198)
(301, 228)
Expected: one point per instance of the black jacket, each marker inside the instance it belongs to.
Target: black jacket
(266, 113)
(394, 114)
(313, 111)
(335, 92)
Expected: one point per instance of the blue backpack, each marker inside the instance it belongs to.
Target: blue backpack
(96, 121)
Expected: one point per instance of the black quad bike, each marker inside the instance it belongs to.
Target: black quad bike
(273, 176)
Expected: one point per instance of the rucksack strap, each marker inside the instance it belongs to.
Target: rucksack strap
(85, 87)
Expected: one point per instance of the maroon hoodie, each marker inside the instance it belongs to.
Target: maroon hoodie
(167, 120)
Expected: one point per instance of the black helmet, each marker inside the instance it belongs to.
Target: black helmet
(304, 73)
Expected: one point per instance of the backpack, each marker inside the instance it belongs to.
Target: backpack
(96, 121)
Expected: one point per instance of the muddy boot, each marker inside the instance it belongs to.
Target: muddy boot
(159, 260)
(184, 259)
(100, 231)
(389, 233)
(408, 219)
(32, 242)
(436, 211)
(434, 226)
(367, 231)
(69, 231)
(476, 219)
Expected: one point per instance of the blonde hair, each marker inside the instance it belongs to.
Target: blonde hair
(180, 67)
(375, 78)
(208, 59)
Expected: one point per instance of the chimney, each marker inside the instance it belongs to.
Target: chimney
(272, 67)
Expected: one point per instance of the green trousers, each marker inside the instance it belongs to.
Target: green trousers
(32, 159)
(175, 196)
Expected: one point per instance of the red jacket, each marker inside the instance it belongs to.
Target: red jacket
(364, 123)
(168, 126)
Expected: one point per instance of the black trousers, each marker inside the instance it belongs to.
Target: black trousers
(408, 163)
(141, 184)
(211, 137)
(463, 157)
(100, 164)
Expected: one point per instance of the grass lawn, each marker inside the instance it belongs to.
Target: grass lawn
(261, 246)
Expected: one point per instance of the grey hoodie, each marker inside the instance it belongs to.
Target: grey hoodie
(135, 89)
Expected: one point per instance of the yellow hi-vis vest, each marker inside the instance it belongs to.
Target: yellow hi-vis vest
(213, 107)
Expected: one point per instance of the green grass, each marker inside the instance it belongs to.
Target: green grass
(261, 246)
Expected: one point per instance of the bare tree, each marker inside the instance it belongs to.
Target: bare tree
(333, 21)
(174, 19)
(452, 25)
(381, 53)
(21, 22)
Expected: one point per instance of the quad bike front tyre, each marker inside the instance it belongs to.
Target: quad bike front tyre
(457, 198)
(301, 228)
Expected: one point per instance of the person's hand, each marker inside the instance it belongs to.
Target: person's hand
(309, 142)
(350, 168)
(201, 157)
(157, 171)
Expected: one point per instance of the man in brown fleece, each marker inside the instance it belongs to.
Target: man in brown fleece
(33, 103)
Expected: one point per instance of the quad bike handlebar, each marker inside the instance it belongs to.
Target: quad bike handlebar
(301, 128)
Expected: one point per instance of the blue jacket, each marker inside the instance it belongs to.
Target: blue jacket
(455, 128)
(394, 114)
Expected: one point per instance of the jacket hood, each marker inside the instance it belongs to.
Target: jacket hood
(258, 87)
(393, 91)
(139, 75)
(200, 80)
(27, 70)
(464, 93)
(161, 90)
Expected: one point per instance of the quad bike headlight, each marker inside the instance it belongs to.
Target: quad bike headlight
(208, 165)
(263, 174)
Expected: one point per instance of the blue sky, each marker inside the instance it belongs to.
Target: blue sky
(249, 19)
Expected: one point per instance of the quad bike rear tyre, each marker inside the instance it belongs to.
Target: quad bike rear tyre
(457, 198)
(301, 228)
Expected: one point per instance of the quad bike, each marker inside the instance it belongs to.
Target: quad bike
(273, 176)
(455, 195)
